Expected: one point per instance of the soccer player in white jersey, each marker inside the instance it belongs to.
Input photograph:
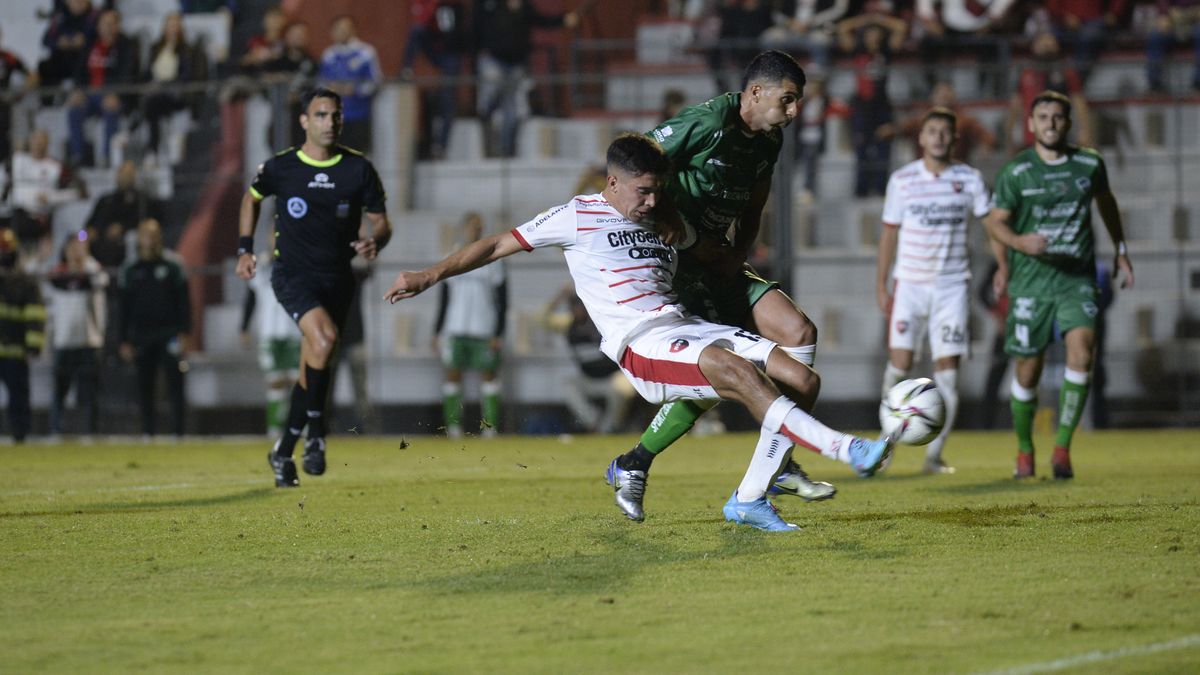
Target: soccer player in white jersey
(623, 273)
(925, 214)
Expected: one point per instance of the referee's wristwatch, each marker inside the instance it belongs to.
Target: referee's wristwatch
(1122, 249)
(245, 245)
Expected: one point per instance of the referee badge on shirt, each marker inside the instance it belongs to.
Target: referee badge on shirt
(297, 207)
(343, 210)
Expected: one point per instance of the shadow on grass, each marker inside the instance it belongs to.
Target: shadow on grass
(106, 508)
(1002, 485)
(1004, 515)
(627, 554)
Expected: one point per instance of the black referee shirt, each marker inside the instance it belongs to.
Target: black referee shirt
(318, 206)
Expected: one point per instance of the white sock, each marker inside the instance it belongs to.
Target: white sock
(1076, 376)
(947, 384)
(804, 430)
(769, 457)
(891, 377)
(1021, 393)
(806, 354)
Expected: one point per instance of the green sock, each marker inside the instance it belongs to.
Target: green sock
(670, 424)
(1070, 409)
(1023, 412)
(276, 416)
(491, 410)
(452, 406)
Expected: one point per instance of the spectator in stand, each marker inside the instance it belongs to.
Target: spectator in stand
(39, 184)
(173, 60)
(22, 317)
(71, 29)
(815, 110)
(1173, 26)
(808, 25)
(503, 28)
(110, 59)
(297, 64)
(598, 378)
(268, 45)
(118, 213)
(673, 101)
(228, 7)
(948, 28)
(75, 327)
(1083, 26)
(743, 24)
(155, 321)
(440, 33)
(971, 134)
(350, 67)
(871, 39)
(11, 65)
(1047, 72)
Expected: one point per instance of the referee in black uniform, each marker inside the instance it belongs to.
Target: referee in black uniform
(322, 192)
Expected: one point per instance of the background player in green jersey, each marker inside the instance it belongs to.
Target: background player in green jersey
(1041, 229)
(723, 152)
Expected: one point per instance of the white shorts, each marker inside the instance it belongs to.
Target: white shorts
(942, 308)
(662, 361)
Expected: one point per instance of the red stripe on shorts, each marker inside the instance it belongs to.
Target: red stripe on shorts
(663, 372)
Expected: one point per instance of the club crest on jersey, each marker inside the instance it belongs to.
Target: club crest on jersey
(957, 185)
(321, 181)
(902, 327)
(1083, 183)
(679, 345)
(297, 207)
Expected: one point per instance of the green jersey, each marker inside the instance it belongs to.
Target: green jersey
(716, 163)
(1054, 200)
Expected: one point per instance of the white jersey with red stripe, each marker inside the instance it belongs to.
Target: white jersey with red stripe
(932, 211)
(622, 270)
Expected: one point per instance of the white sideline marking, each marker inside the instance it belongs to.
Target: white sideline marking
(1098, 656)
(132, 488)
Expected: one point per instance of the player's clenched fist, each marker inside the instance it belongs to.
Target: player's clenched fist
(247, 265)
(408, 284)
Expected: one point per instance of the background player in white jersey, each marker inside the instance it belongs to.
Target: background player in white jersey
(624, 274)
(278, 345)
(925, 214)
(468, 333)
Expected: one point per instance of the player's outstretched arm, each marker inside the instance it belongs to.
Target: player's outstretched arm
(247, 264)
(1110, 213)
(465, 259)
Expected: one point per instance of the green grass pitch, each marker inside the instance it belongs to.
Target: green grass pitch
(508, 555)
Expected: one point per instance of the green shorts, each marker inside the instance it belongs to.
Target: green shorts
(724, 301)
(1068, 303)
(279, 355)
(469, 353)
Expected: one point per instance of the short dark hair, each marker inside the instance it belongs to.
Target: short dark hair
(637, 154)
(318, 92)
(941, 113)
(1050, 96)
(773, 67)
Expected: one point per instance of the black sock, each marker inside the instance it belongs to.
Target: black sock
(637, 459)
(318, 390)
(297, 417)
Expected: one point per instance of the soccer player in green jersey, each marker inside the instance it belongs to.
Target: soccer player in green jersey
(724, 153)
(1041, 229)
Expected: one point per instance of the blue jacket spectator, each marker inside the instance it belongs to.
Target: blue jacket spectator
(350, 67)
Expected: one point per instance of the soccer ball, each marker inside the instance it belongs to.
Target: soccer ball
(913, 412)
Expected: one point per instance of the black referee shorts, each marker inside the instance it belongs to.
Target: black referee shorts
(300, 292)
